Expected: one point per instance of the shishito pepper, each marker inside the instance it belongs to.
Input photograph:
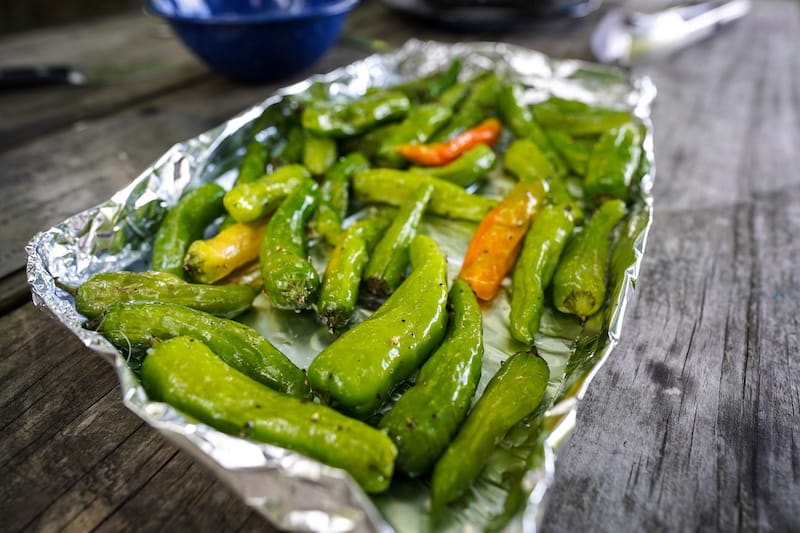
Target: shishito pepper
(387, 263)
(102, 290)
(579, 283)
(535, 268)
(467, 169)
(252, 167)
(454, 96)
(356, 117)
(340, 283)
(480, 102)
(319, 153)
(613, 163)
(487, 132)
(524, 159)
(137, 326)
(575, 152)
(511, 395)
(358, 371)
(290, 151)
(250, 201)
(210, 260)
(253, 164)
(519, 119)
(334, 195)
(183, 224)
(188, 375)
(423, 421)
(494, 247)
(430, 88)
(394, 187)
(578, 118)
(290, 280)
(418, 126)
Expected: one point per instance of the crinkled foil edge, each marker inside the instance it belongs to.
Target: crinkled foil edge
(292, 491)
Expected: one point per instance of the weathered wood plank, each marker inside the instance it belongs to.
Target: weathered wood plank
(726, 118)
(73, 457)
(136, 58)
(704, 412)
(191, 488)
(692, 424)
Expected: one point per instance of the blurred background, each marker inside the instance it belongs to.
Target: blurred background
(27, 14)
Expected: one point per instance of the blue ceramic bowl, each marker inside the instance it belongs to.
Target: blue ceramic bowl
(256, 40)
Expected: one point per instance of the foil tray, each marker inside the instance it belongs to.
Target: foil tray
(292, 491)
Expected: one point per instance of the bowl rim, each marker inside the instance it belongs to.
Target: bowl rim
(336, 7)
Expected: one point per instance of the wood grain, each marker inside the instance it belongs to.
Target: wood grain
(73, 457)
(693, 422)
(137, 58)
(704, 413)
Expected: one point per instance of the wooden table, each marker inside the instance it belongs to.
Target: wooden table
(693, 423)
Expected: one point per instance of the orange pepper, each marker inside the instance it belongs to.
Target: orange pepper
(437, 154)
(496, 244)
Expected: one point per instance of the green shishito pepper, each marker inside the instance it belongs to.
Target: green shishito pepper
(519, 119)
(578, 118)
(579, 283)
(575, 152)
(334, 195)
(184, 223)
(290, 281)
(423, 421)
(136, 326)
(107, 288)
(395, 187)
(535, 267)
(319, 153)
(358, 371)
(250, 201)
(252, 167)
(430, 88)
(290, 151)
(340, 283)
(387, 264)
(418, 126)
(454, 96)
(253, 164)
(356, 117)
(186, 374)
(511, 395)
(479, 104)
(524, 159)
(613, 163)
(467, 169)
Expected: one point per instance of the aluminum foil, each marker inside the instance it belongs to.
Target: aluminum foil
(292, 491)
